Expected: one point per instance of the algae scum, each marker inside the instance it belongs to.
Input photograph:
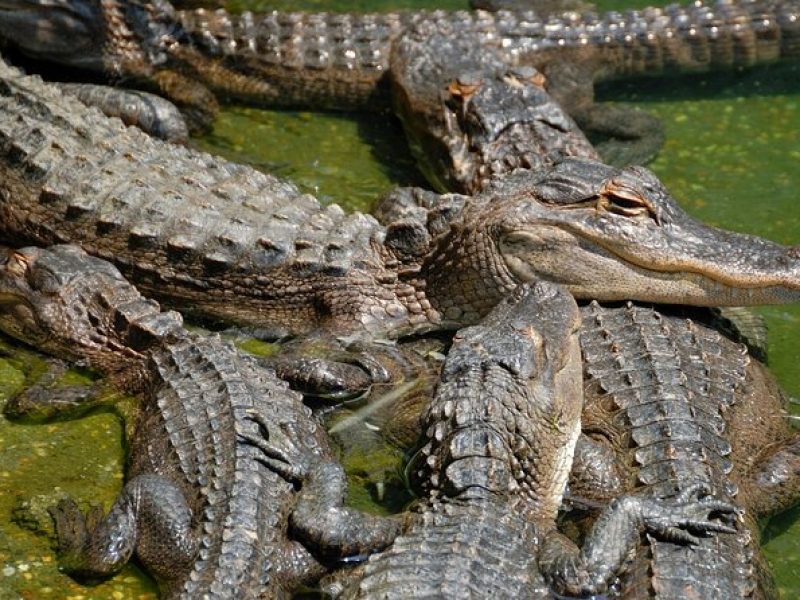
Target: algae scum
(732, 158)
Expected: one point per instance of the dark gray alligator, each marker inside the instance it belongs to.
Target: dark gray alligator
(327, 60)
(200, 509)
(497, 449)
(201, 232)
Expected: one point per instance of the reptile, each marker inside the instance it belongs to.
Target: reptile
(344, 61)
(204, 232)
(200, 509)
(496, 451)
(670, 404)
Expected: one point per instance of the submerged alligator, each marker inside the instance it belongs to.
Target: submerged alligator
(498, 444)
(346, 61)
(200, 508)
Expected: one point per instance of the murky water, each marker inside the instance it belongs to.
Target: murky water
(732, 157)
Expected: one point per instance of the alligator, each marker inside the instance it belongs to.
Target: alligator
(340, 61)
(670, 403)
(200, 509)
(204, 232)
(497, 448)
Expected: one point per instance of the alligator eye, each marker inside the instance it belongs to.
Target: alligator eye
(626, 202)
(16, 264)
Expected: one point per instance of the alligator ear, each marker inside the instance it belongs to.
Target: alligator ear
(573, 181)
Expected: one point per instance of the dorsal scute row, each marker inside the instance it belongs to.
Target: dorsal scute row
(189, 207)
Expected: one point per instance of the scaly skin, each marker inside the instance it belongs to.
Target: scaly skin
(670, 403)
(206, 232)
(339, 60)
(496, 452)
(200, 509)
(347, 61)
(148, 112)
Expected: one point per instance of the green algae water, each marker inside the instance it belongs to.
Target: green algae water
(732, 158)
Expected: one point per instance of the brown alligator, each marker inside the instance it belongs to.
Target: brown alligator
(343, 61)
(200, 509)
(497, 449)
(670, 403)
(204, 232)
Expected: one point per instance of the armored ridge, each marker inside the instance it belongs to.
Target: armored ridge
(338, 61)
(201, 509)
(192, 228)
(497, 449)
(663, 393)
(327, 60)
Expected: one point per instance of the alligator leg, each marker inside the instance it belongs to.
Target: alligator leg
(152, 114)
(622, 135)
(594, 479)
(571, 571)
(775, 482)
(319, 518)
(195, 101)
(150, 516)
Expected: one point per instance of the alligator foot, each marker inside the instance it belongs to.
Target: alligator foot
(319, 518)
(693, 510)
(616, 532)
(279, 453)
(73, 532)
(149, 516)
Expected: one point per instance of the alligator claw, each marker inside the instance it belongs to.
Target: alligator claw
(694, 510)
(278, 452)
(73, 530)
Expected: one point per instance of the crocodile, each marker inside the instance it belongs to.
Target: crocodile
(203, 232)
(348, 61)
(199, 508)
(497, 447)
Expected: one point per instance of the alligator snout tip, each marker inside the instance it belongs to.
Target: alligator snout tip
(794, 252)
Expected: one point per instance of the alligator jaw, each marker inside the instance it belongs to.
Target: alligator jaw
(618, 235)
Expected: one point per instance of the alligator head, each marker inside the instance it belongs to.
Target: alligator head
(93, 35)
(75, 306)
(607, 234)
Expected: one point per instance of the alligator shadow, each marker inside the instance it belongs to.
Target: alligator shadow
(764, 80)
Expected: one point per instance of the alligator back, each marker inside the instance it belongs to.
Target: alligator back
(458, 550)
(340, 60)
(659, 387)
(191, 227)
(189, 432)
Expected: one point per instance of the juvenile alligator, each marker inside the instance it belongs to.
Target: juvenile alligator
(202, 512)
(228, 242)
(340, 61)
(498, 443)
